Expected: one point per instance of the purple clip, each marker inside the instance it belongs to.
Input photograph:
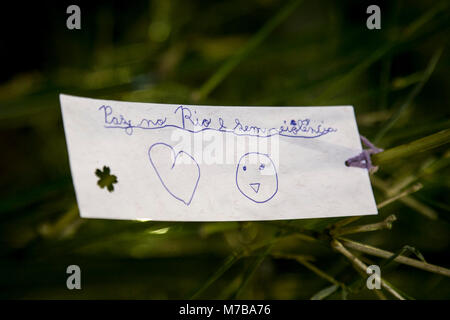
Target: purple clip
(363, 160)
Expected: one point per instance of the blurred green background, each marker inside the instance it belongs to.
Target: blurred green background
(256, 52)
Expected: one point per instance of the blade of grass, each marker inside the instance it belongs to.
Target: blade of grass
(425, 18)
(251, 45)
(335, 86)
(250, 271)
(322, 294)
(304, 261)
(382, 204)
(248, 275)
(417, 89)
(407, 200)
(403, 194)
(231, 260)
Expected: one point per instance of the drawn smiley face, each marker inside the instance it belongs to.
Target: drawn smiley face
(257, 177)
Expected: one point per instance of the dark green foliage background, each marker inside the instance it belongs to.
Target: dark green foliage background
(165, 51)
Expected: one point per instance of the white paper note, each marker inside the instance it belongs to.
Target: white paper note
(214, 163)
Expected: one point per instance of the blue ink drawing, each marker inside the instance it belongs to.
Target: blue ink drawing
(169, 176)
(255, 186)
(257, 177)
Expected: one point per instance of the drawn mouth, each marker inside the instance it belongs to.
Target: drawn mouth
(255, 186)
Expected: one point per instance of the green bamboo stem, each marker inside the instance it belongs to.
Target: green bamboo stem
(361, 266)
(401, 195)
(400, 259)
(409, 149)
(386, 224)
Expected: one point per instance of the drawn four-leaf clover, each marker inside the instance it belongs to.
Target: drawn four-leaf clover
(106, 179)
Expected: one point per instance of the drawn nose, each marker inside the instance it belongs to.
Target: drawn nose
(255, 187)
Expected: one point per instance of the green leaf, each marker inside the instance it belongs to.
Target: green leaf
(322, 294)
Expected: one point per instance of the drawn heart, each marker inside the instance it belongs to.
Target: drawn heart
(179, 173)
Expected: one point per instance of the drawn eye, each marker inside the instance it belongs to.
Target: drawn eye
(262, 166)
(244, 168)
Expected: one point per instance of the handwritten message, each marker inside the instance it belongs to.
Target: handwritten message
(190, 122)
(214, 163)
